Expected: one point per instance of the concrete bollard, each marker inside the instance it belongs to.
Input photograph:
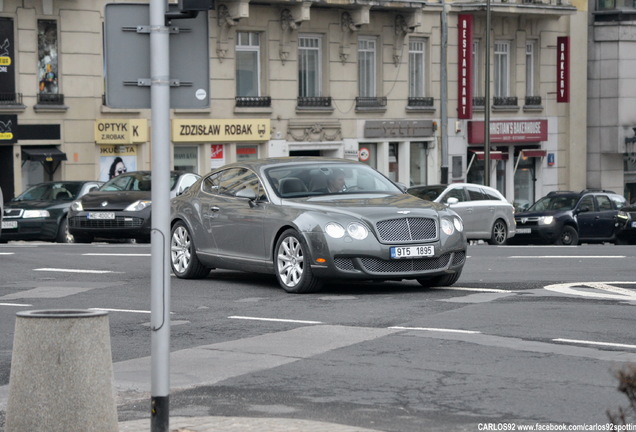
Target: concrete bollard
(61, 373)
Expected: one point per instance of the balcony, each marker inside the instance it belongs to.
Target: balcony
(10, 98)
(50, 99)
(371, 103)
(253, 101)
(314, 102)
(505, 103)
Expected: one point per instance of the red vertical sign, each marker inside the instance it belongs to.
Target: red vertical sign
(465, 67)
(563, 69)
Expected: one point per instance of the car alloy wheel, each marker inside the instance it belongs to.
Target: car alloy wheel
(499, 233)
(183, 258)
(292, 264)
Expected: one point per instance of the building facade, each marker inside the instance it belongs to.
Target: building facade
(398, 85)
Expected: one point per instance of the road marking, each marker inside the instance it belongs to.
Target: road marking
(274, 320)
(121, 310)
(586, 342)
(15, 304)
(443, 330)
(74, 270)
(569, 256)
(7, 253)
(118, 254)
(490, 290)
(584, 289)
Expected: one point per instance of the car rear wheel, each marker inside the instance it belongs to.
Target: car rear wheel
(183, 257)
(291, 263)
(444, 280)
(568, 237)
(63, 236)
(499, 233)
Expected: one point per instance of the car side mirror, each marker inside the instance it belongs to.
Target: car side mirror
(401, 186)
(452, 200)
(584, 209)
(246, 193)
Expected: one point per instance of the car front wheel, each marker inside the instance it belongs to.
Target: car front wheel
(292, 264)
(568, 237)
(183, 257)
(444, 280)
(499, 233)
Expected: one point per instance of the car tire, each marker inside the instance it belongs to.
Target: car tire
(568, 237)
(444, 280)
(183, 256)
(292, 264)
(63, 236)
(499, 233)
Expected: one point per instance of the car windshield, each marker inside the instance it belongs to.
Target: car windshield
(327, 178)
(554, 203)
(56, 191)
(134, 182)
(429, 193)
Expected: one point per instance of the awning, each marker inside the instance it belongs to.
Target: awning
(533, 153)
(494, 155)
(43, 154)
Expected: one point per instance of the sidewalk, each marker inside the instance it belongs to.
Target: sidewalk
(240, 424)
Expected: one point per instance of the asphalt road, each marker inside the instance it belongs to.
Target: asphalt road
(527, 335)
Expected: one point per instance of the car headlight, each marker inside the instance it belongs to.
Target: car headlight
(334, 230)
(447, 226)
(546, 220)
(357, 231)
(138, 205)
(459, 225)
(28, 214)
(77, 206)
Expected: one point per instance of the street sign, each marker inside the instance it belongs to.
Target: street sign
(127, 58)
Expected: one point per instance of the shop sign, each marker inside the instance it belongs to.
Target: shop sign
(563, 69)
(212, 130)
(509, 131)
(399, 129)
(8, 128)
(465, 67)
(115, 160)
(7, 64)
(112, 131)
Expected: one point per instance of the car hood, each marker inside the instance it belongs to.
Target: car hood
(113, 199)
(36, 205)
(370, 206)
(527, 214)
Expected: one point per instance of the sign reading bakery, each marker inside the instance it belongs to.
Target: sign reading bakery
(563, 69)
(509, 131)
(465, 67)
(214, 130)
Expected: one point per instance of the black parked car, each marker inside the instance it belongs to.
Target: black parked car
(120, 209)
(567, 218)
(40, 212)
(627, 235)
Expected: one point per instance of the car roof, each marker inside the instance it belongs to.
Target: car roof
(257, 164)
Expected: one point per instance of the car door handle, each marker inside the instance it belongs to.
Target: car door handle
(215, 209)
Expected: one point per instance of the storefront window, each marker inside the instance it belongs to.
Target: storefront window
(368, 154)
(418, 163)
(185, 158)
(524, 183)
(393, 161)
(501, 176)
(246, 152)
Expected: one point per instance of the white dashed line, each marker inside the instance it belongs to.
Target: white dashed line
(275, 320)
(586, 342)
(441, 330)
(74, 270)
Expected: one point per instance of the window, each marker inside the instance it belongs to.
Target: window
(186, 158)
(603, 202)
(530, 68)
(47, 56)
(367, 67)
(502, 53)
(309, 66)
(476, 79)
(416, 67)
(248, 64)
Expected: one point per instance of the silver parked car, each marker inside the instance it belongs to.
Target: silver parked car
(312, 219)
(484, 210)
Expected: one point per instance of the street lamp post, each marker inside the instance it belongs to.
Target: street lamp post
(487, 101)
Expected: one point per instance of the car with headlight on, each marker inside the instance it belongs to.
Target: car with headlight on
(121, 208)
(40, 212)
(308, 220)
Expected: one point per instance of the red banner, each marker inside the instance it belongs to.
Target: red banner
(563, 69)
(465, 67)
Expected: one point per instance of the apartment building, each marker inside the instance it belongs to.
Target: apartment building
(363, 80)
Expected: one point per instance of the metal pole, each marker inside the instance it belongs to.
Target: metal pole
(487, 101)
(160, 239)
(444, 93)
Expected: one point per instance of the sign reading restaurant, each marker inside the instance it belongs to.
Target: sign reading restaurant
(465, 67)
(509, 131)
(214, 130)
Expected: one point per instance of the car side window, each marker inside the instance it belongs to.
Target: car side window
(490, 195)
(455, 193)
(475, 194)
(211, 183)
(603, 202)
(587, 201)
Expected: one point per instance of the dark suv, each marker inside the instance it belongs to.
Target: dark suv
(567, 218)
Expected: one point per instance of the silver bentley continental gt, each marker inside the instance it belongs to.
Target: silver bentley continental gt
(312, 219)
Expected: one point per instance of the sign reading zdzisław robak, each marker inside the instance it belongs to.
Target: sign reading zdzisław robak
(213, 130)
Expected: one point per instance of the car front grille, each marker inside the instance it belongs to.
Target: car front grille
(376, 265)
(407, 229)
(118, 222)
(527, 221)
(13, 213)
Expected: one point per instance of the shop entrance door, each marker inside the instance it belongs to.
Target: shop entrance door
(525, 178)
(6, 168)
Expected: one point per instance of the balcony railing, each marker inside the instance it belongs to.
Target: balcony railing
(314, 101)
(504, 101)
(532, 101)
(253, 101)
(421, 102)
(479, 101)
(371, 102)
(50, 99)
(10, 98)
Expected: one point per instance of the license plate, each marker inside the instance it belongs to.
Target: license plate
(101, 215)
(399, 252)
(9, 224)
(524, 230)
